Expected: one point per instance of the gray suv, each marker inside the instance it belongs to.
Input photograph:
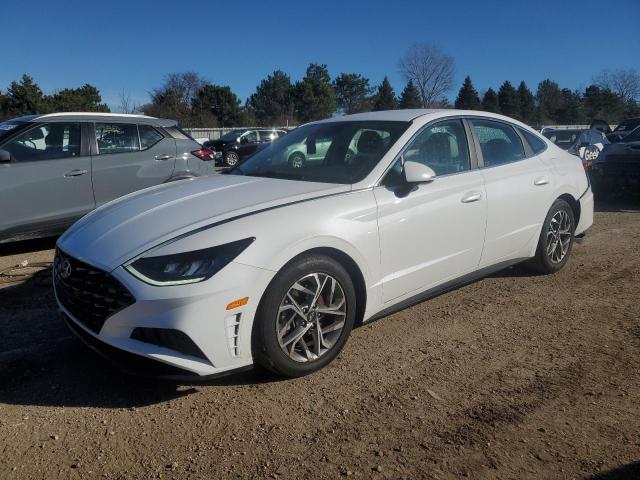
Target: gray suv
(55, 168)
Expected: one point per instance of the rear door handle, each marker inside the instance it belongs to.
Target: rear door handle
(162, 157)
(471, 197)
(540, 181)
(75, 173)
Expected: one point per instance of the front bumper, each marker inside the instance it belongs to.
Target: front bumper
(199, 311)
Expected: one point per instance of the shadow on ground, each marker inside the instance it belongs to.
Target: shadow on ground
(43, 363)
(626, 472)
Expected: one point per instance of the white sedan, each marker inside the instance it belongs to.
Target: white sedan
(275, 262)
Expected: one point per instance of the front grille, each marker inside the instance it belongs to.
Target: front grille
(91, 295)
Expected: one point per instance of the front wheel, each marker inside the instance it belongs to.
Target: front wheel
(231, 159)
(305, 317)
(556, 238)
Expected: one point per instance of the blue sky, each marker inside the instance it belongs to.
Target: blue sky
(130, 45)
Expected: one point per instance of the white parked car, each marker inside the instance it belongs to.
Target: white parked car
(274, 263)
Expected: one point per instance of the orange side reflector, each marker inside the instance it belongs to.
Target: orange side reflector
(238, 303)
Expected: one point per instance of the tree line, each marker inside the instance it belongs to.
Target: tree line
(278, 100)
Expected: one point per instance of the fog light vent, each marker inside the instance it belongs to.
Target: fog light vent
(168, 338)
(233, 333)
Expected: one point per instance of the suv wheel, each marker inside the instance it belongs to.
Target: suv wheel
(296, 160)
(305, 317)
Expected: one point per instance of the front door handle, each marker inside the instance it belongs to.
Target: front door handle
(471, 197)
(540, 181)
(75, 173)
(162, 157)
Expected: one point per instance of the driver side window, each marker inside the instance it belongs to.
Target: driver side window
(442, 146)
(46, 142)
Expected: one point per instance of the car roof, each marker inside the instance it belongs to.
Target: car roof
(410, 115)
(97, 117)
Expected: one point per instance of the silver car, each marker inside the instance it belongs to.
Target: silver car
(55, 168)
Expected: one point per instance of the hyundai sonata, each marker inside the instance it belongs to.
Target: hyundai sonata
(276, 261)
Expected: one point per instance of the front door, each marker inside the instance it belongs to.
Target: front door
(126, 160)
(434, 232)
(248, 144)
(47, 185)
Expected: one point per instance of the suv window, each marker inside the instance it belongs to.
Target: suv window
(249, 137)
(499, 142)
(267, 135)
(536, 143)
(117, 138)
(442, 146)
(46, 142)
(149, 136)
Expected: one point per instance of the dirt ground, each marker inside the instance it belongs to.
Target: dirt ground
(513, 377)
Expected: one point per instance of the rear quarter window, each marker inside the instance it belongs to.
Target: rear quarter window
(536, 143)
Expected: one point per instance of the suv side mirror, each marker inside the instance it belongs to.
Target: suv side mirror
(415, 172)
(5, 157)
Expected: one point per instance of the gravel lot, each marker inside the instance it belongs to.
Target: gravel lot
(514, 376)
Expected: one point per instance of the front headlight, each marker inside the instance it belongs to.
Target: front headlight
(187, 267)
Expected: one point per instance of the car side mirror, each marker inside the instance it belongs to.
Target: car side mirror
(415, 172)
(5, 157)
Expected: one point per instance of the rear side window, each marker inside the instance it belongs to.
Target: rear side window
(149, 136)
(536, 143)
(117, 138)
(46, 142)
(499, 142)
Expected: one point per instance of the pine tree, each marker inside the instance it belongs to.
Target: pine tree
(410, 97)
(467, 96)
(490, 101)
(352, 92)
(508, 99)
(314, 95)
(385, 98)
(527, 103)
(25, 98)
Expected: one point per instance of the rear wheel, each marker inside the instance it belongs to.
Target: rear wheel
(231, 159)
(556, 238)
(296, 160)
(305, 317)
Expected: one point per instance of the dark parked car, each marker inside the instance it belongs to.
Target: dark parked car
(617, 168)
(622, 130)
(238, 145)
(586, 144)
(58, 167)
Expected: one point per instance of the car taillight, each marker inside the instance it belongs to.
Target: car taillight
(204, 153)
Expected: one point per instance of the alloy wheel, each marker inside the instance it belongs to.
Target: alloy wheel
(559, 236)
(311, 317)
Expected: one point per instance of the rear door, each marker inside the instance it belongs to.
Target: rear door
(127, 157)
(47, 185)
(519, 187)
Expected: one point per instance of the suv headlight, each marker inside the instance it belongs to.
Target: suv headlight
(186, 267)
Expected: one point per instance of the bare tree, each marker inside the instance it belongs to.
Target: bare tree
(185, 85)
(625, 83)
(431, 71)
(127, 104)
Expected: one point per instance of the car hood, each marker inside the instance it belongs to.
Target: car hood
(127, 227)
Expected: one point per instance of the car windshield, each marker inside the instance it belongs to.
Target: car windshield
(332, 152)
(627, 125)
(564, 139)
(634, 136)
(9, 127)
(232, 135)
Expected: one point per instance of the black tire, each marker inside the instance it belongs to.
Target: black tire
(231, 159)
(266, 349)
(543, 262)
(297, 160)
